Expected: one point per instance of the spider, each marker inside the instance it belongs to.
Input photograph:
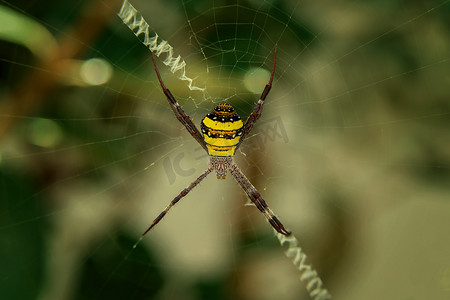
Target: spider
(222, 132)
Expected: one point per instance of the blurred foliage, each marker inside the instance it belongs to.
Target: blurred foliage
(22, 236)
(102, 278)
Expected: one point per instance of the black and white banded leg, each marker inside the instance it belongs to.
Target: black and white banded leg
(256, 198)
(179, 112)
(178, 197)
(256, 113)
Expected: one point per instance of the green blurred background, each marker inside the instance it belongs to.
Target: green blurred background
(352, 151)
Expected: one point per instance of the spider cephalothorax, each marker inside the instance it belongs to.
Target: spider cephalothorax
(222, 132)
(221, 165)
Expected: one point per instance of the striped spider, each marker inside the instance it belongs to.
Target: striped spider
(222, 132)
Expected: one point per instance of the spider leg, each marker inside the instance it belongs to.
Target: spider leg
(183, 193)
(256, 198)
(256, 113)
(179, 112)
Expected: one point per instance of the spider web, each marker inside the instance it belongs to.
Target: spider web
(351, 151)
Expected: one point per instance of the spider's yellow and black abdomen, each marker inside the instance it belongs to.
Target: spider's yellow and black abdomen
(222, 128)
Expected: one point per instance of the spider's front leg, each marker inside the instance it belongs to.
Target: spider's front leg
(178, 197)
(256, 198)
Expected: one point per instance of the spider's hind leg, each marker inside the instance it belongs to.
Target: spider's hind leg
(257, 111)
(178, 111)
